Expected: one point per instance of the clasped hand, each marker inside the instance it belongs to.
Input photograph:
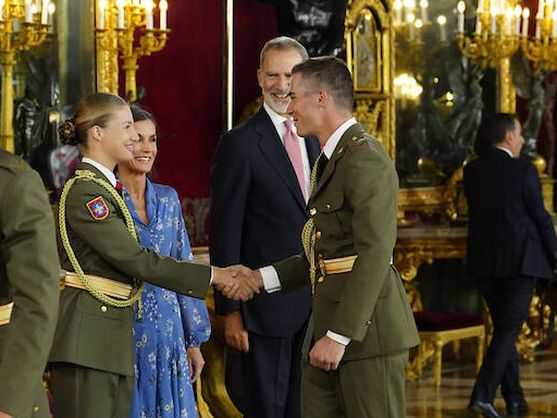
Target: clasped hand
(237, 282)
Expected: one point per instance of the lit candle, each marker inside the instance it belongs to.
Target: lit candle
(423, 7)
(51, 10)
(121, 13)
(517, 14)
(479, 13)
(554, 17)
(44, 12)
(102, 8)
(28, 12)
(461, 7)
(419, 25)
(397, 6)
(509, 15)
(410, 18)
(1, 9)
(163, 6)
(494, 21)
(525, 21)
(541, 8)
(442, 21)
(148, 4)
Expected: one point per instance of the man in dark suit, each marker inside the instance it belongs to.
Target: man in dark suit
(260, 185)
(511, 242)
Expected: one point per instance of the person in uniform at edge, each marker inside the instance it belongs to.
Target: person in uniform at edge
(259, 189)
(92, 355)
(29, 289)
(362, 326)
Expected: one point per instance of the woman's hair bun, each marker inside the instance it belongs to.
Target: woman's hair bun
(68, 134)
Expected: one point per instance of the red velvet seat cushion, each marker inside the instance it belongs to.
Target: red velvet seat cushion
(443, 321)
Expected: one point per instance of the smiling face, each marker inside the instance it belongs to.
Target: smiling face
(274, 77)
(145, 149)
(118, 136)
(304, 106)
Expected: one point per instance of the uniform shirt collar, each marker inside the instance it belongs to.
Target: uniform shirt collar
(106, 171)
(508, 151)
(333, 140)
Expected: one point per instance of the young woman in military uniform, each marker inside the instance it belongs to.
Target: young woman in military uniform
(92, 355)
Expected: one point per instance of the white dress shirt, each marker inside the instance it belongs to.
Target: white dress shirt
(270, 277)
(278, 123)
(108, 173)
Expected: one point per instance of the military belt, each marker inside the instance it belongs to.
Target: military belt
(109, 287)
(6, 313)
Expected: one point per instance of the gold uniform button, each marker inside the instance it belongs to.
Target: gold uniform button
(190, 292)
(318, 234)
(312, 211)
(35, 409)
(368, 322)
(328, 206)
(354, 138)
(104, 308)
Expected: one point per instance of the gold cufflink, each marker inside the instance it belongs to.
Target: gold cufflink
(104, 308)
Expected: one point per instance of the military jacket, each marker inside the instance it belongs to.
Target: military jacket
(29, 277)
(89, 333)
(354, 206)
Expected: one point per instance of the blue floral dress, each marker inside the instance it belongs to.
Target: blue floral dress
(170, 322)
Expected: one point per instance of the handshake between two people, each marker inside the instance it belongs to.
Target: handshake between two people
(237, 282)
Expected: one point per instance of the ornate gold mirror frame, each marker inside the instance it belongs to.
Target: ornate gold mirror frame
(369, 37)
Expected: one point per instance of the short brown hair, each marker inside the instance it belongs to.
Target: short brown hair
(333, 75)
(282, 43)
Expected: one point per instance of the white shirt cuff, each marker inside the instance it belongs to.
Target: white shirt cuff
(271, 281)
(341, 339)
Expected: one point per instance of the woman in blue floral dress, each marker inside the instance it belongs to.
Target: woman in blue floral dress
(168, 328)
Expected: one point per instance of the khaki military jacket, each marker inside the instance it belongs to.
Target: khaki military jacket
(354, 208)
(29, 277)
(89, 333)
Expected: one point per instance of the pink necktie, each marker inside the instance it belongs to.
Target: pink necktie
(292, 145)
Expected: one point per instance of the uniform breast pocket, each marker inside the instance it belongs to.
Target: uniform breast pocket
(87, 304)
(329, 209)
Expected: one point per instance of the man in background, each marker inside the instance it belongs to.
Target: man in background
(511, 242)
(260, 186)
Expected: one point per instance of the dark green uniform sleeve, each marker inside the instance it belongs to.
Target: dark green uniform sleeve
(293, 273)
(112, 241)
(31, 266)
(371, 189)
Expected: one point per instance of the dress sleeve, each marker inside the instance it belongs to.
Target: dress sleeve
(195, 317)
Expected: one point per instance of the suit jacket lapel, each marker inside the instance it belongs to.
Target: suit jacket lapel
(313, 149)
(272, 148)
(354, 130)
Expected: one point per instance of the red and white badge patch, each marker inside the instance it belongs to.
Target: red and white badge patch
(97, 208)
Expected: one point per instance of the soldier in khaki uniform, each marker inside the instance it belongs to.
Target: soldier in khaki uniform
(362, 325)
(29, 291)
(92, 355)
